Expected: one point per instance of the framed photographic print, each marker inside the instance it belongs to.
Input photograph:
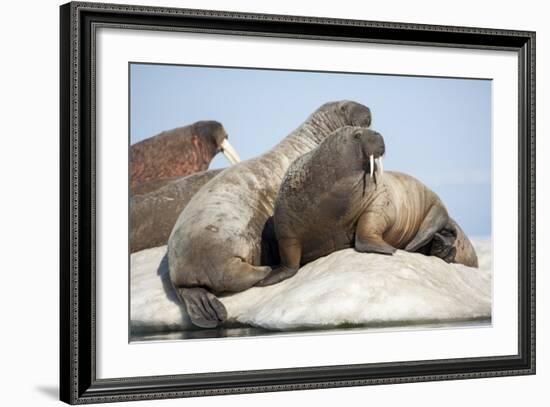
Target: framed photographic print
(256, 203)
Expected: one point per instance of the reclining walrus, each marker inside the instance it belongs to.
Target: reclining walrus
(337, 196)
(216, 244)
(153, 214)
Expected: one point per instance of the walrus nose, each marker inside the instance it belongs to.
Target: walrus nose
(375, 157)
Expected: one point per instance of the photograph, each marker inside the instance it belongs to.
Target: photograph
(257, 202)
(284, 202)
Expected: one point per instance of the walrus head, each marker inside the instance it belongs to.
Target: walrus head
(213, 133)
(355, 113)
(349, 113)
(361, 149)
(353, 150)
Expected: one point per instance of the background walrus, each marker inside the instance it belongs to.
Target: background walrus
(178, 152)
(215, 246)
(337, 196)
(153, 214)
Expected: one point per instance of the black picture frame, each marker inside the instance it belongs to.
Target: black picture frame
(78, 381)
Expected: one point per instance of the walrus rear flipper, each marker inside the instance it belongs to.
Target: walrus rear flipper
(460, 248)
(442, 245)
(435, 220)
(204, 309)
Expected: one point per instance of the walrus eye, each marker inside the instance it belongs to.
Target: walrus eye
(357, 136)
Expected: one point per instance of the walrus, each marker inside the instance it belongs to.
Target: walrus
(216, 244)
(337, 196)
(147, 187)
(179, 152)
(154, 214)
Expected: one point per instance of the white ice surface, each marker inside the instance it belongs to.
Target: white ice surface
(343, 288)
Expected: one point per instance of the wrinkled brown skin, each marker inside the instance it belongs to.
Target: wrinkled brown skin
(154, 214)
(215, 246)
(375, 215)
(175, 153)
(147, 187)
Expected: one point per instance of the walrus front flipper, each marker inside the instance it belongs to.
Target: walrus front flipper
(204, 309)
(290, 251)
(369, 232)
(277, 275)
(435, 220)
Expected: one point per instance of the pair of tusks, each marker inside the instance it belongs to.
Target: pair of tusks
(229, 152)
(378, 165)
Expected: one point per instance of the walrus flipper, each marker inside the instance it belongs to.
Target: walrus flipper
(204, 309)
(442, 245)
(290, 251)
(435, 220)
(369, 234)
(277, 275)
(452, 245)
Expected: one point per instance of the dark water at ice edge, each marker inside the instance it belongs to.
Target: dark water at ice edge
(248, 331)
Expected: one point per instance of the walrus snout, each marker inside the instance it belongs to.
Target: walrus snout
(372, 144)
(216, 134)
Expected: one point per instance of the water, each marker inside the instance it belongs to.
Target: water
(249, 331)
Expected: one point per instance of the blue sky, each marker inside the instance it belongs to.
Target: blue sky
(436, 129)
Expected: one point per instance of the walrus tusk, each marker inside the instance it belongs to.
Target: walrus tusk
(230, 152)
(371, 158)
(380, 167)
